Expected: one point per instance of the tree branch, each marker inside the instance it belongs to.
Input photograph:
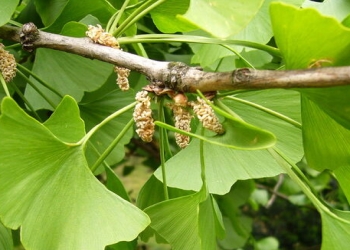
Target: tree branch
(175, 75)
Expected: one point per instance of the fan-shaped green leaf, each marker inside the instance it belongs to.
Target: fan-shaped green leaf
(96, 106)
(325, 150)
(56, 14)
(5, 238)
(6, 10)
(335, 229)
(73, 75)
(275, 110)
(188, 222)
(294, 39)
(221, 18)
(323, 110)
(48, 190)
(338, 9)
(165, 16)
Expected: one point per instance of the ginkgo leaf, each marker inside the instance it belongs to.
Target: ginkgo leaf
(226, 17)
(48, 190)
(187, 222)
(278, 112)
(7, 9)
(335, 229)
(96, 106)
(73, 76)
(5, 238)
(322, 109)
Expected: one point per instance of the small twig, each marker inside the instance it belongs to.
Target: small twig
(175, 75)
(275, 191)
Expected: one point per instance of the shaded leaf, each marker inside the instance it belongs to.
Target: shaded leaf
(188, 222)
(238, 226)
(56, 14)
(6, 242)
(43, 179)
(115, 185)
(96, 106)
(325, 150)
(342, 174)
(335, 229)
(333, 101)
(322, 109)
(73, 75)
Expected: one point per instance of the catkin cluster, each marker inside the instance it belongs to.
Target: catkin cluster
(182, 119)
(7, 64)
(143, 116)
(207, 116)
(122, 77)
(98, 35)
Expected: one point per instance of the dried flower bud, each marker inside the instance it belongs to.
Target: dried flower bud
(207, 116)
(143, 116)
(180, 99)
(98, 35)
(7, 64)
(122, 77)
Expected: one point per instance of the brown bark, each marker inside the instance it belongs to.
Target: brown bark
(175, 75)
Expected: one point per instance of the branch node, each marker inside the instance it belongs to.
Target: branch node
(177, 71)
(28, 35)
(241, 75)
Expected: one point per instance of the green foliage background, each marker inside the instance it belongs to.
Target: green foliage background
(65, 130)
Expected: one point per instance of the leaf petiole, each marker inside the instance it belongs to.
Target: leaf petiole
(88, 135)
(111, 146)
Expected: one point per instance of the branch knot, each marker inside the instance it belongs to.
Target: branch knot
(28, 35)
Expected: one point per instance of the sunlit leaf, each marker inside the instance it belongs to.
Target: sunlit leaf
(338, 9)
(277, 111)
(294, 38)
(258, 30)
(48, 190)
(221, 18)
(6, 10)
(224, 166)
